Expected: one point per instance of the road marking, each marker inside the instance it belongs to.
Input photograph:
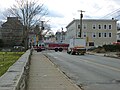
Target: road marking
(110, 67)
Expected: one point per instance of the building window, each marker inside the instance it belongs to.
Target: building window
(79, 34)
(109, 34)
(100, 34)
(105, 26)
(99, 26)
(105, 34)
(109, 26)
(85, 26)
(84, 34)
(118, 36)
(94, 35)
(78, 26)
(94, 26)
(91, 43)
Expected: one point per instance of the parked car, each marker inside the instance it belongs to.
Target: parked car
(19, 48)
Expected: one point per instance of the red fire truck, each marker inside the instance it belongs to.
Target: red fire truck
(51, 46)
(40, 47)
(57, 46)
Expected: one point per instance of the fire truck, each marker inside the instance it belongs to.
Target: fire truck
(57, 46)
(51, 46)
(40, 47)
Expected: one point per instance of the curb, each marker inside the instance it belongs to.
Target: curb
(105, 55)
(64, 74)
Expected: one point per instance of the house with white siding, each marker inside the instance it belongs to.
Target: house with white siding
(97, 32)
(118, 36)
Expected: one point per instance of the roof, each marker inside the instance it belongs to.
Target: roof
(90, 20)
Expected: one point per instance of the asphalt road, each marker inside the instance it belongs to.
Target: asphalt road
(90, 72)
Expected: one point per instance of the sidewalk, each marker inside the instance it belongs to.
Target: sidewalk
(45, 76)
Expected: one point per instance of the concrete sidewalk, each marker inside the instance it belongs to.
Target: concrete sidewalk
(45, 76)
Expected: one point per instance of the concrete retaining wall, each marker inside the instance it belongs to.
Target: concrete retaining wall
(16, 76)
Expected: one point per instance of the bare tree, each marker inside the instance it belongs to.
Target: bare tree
(30, 13)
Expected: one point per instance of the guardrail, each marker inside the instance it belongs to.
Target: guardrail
(17, 75)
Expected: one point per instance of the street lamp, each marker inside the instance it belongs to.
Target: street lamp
(81, 16)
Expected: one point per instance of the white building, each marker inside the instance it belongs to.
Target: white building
(60, 37)
(118, 36)
(96, 31)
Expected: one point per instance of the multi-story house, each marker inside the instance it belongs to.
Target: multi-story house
(97, 32)
(60, 36)
(118, 36)
(12, 32)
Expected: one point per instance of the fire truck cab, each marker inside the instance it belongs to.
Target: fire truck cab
(40, 47)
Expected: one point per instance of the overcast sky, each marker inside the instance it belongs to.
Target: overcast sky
(62, 12)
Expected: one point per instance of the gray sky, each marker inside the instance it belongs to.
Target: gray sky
(62, 12)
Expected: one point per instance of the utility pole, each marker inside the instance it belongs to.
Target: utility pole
(81, 16)
(41, 30)
(62, 34)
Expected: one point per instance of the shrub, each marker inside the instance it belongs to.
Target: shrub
(111, 48)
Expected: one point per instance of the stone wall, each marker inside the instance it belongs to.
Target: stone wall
(16, 76)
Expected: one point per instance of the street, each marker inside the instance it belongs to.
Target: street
(89, 72)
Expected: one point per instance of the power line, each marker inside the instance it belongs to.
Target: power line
(113, 14)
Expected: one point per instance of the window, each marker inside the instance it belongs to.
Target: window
(105, 34)
(105, 26)
(91, 43)
(79, 34)
(78, 26)
(84, 34)
(118, 36)
(100, 34)
(94, 26)
(94, 35)
(99, 26)
(109, 34)
(84, 26)
(109, 26)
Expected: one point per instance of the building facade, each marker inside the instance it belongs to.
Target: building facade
(97, 32)
(118, 36)
(60, 36)
(12, 32)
